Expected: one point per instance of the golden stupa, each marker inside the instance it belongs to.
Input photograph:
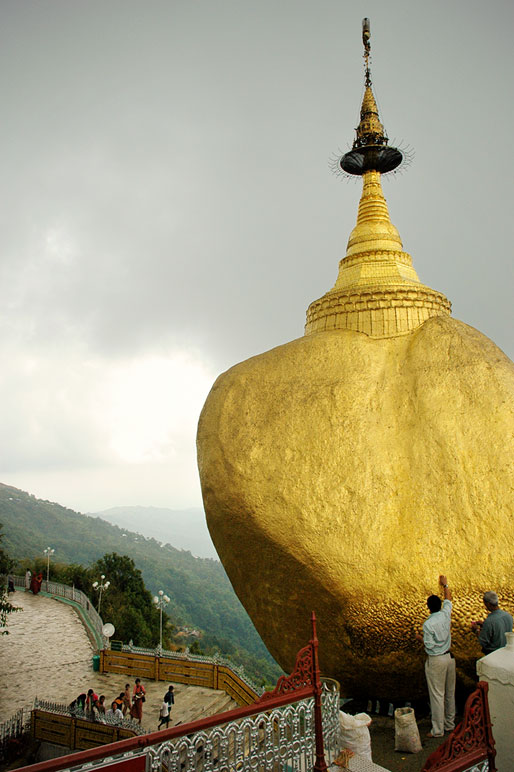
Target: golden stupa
(342, 472)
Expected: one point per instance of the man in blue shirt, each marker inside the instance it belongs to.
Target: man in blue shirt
(491, 632)
(440, 665)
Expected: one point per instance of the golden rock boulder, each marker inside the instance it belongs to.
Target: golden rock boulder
(344, 471)
(341, 473)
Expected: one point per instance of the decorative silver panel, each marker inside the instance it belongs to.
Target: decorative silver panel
(279, 739)
(65, 710)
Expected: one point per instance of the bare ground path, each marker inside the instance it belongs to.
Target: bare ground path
(47, 654)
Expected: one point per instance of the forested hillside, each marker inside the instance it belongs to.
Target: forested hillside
(201, 594)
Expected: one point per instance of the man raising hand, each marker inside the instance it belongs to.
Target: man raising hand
(440, 665)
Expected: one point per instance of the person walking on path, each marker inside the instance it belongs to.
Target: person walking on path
(167, 701)
(440, 665)
(138, 697)
(127, 703)
(36, 582)
(169, 697)
(164, 714)
(491, 632)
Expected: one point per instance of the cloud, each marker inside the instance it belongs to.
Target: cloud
(166, 209)
(72, 415)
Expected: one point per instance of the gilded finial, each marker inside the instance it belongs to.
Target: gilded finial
(370, 151)
(366, 35)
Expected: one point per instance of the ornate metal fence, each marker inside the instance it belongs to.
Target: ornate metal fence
(14, 726)
(279, 739)
(11, 734)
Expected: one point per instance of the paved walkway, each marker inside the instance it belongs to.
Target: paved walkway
(47, 654)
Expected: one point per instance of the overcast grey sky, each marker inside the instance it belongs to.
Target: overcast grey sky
(167, 208)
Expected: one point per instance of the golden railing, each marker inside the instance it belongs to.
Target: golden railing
(179, 670)
(74, 733)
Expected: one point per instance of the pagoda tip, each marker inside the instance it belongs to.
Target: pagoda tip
(366, 34)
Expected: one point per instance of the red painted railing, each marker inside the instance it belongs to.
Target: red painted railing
(470, 742)
(304, 682)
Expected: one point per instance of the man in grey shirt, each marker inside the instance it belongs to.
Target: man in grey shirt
(491, 632)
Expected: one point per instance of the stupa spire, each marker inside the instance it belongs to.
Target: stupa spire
(377, 291)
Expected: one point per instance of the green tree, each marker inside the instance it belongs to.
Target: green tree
(6, 607)
(75, 575)
(6, 564)
(195, 648)
(127, 603)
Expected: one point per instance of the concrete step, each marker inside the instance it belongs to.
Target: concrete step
(198, 702)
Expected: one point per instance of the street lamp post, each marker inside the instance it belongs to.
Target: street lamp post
(161, 601)
(48, 552)
(101, 586)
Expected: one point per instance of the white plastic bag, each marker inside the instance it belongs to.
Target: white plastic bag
(406, 732)
(355, 733)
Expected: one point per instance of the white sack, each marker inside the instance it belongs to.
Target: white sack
(406, 732)
(355, 733)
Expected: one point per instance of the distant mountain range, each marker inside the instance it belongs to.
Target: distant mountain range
(184, 528)
(201, 594)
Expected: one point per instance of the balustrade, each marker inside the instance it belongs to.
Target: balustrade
(14, 726)
(279, 739)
